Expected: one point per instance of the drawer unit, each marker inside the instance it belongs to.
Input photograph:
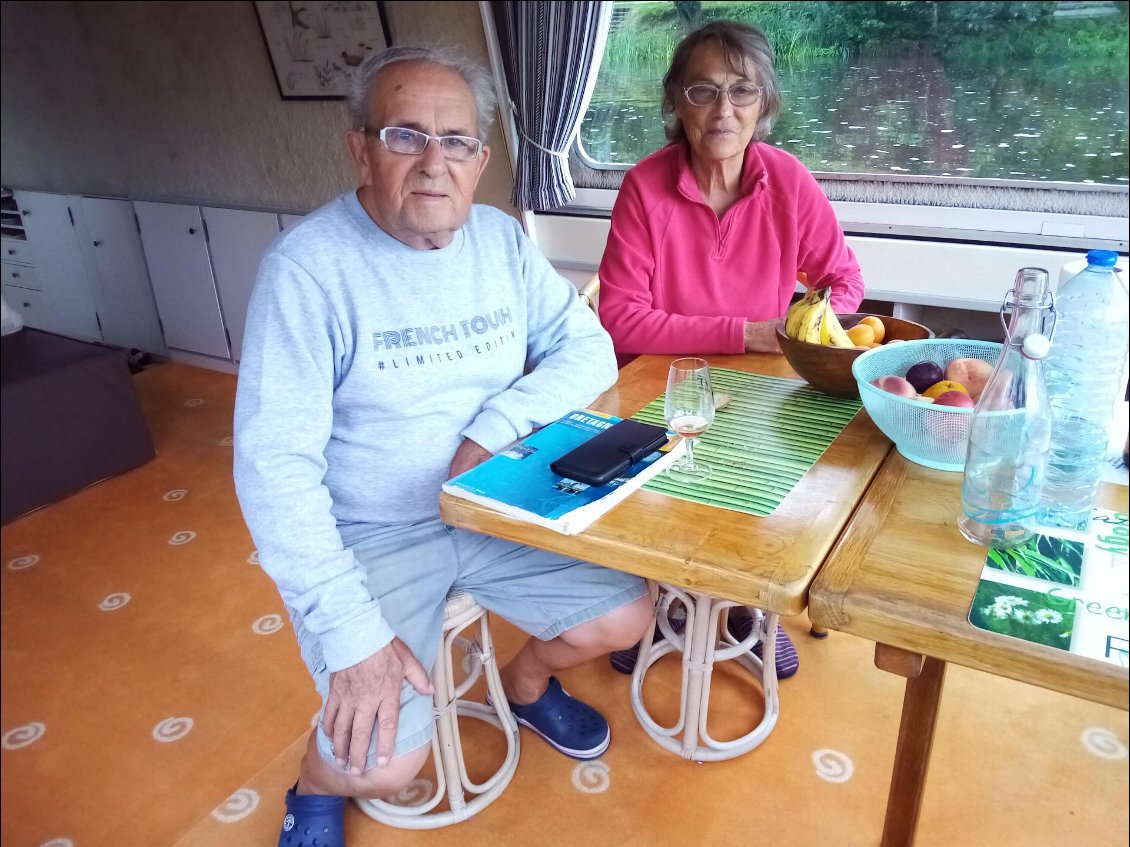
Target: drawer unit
(21, 275)
(15, 250)
(28, 302)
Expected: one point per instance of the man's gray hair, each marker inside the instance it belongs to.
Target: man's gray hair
(476, 76)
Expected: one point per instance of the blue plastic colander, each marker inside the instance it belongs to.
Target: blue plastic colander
(934, 436)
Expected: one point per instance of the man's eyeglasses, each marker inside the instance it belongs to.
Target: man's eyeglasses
(399, 139)
(742, 94)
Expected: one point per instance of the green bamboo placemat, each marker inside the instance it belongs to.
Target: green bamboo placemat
(760, 445)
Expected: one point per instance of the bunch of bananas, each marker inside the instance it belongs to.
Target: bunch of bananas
(812, 319)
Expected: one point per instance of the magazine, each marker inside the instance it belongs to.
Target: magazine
(518, 481)
(1063, 589)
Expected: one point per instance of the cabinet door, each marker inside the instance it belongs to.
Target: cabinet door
(237, 240)
(286, 221)
(176, 254)
(67, 295)
(126, 308)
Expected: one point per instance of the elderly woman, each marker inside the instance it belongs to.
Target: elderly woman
(711, 233)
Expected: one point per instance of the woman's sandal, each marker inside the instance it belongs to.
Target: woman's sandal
(313, 820)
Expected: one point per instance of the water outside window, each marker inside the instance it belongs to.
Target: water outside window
(1013, 91)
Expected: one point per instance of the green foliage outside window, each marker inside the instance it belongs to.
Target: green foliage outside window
(1030, 90)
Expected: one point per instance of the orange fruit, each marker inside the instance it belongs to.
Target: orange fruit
(942, 387)
(861, 334)
(877, 327)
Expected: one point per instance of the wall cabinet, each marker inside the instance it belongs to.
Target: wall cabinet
(158, 277)
(123, 297)
(66, 293)
(203, 263)
(176, 252)
(237, 240)
(17, 263)
(79, 271)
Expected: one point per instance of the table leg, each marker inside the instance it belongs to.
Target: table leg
(925, 676)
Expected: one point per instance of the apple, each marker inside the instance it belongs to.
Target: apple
(955, 398)
(895, 385)
(972, 373)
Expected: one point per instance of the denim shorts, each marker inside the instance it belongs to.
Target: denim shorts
(412, 568)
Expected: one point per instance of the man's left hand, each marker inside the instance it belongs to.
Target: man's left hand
(467, 456)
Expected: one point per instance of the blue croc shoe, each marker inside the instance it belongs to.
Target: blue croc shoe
(313, 820)
(574, 728)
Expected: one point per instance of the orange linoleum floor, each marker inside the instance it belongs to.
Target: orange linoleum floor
(153, 695)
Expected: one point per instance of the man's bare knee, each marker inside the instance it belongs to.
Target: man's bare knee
(320, 777)
(381, 783)
(617, 630)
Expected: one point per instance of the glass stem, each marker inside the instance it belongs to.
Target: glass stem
(689, 461)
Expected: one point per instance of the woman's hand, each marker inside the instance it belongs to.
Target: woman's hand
(761, 337)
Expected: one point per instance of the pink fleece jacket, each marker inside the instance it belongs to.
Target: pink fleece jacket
(676, 279)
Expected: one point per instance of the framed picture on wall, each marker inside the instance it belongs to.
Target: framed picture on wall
(314, 46)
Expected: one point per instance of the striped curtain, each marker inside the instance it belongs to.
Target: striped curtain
(551, 52)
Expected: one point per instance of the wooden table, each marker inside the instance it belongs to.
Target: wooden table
(903, 576)
(767, 562)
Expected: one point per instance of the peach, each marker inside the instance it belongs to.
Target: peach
(944, 386)
(972, 373)
(895, 385)
(861, 334)
(876, 325)
(954, 398)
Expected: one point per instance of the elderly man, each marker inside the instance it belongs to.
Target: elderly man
(396, 337)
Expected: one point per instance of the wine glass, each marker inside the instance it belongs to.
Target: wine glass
(689, 410)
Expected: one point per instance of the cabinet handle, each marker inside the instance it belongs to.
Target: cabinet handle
(27, 305)
(97, 243)
(11, 252)
(15, 275)
(192, 230)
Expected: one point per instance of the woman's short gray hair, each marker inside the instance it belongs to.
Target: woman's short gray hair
(475, 75)
(741, 44)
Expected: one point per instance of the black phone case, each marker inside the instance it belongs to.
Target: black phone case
(605, 456)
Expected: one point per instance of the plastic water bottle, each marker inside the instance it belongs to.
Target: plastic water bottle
(1084, 373)
(1010, 430)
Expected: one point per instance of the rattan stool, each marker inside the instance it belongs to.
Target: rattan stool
(704, 641)
(464, 797)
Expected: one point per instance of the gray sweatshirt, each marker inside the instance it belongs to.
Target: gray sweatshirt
(365, 363)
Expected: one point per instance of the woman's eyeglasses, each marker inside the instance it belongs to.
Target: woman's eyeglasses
(742, 94)
(399, 139)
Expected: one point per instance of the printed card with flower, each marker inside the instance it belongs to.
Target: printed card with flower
(1066, 590)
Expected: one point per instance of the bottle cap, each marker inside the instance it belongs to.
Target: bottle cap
(1036, 346)
(1102, 258)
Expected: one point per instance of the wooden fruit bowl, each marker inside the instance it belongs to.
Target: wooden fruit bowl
(829, 368)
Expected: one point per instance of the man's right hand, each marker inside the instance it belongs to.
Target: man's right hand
(367, 695)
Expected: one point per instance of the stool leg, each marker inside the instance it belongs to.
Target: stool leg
(447, 727)
(464, 796)
(698, 660)
(704, 642)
